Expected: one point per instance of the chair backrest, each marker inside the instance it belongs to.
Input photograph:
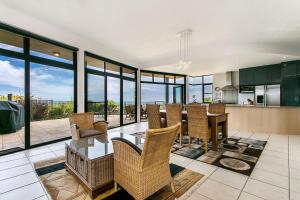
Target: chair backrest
(128, 109)
(216, 108)
(158, 144)
(197, 121)
(153, 113)
(174, 114)
(83, 120)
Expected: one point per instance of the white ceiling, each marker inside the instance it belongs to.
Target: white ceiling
(227, 34)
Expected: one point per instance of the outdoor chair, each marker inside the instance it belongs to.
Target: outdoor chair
(83, 125)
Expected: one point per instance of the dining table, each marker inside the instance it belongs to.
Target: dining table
(214, 121)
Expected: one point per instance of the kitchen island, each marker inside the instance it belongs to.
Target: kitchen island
(264, 119)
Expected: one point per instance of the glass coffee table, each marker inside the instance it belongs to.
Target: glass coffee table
(90, 160)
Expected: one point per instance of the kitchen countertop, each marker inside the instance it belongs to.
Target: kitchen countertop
(252, 106)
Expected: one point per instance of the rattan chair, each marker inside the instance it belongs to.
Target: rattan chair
(83, 125)
(198, 124)
(174, 116)
(216, 108)
(154, 118)
(143, 172)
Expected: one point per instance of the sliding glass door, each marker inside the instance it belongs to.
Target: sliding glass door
(110, 90)
(37, 89)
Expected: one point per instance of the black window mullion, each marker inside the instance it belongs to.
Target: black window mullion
(13, 54)
(105, 94)
(121, 97)
(45, 61)
(75, 81)
(27, 93)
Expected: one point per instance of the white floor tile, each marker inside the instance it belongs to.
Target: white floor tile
(33, 152)
(294, 195)
(246, 196)
(201, 167)
(12, 172)
(180, 160)
(271, 178)
(294, 173)
(12, 157)
(266, 191)
(59, 152)
(229, 178)
(13, 163)
(295, 185)
(41, 157)
(28, 192)
(275, 154)
(218, 191)
(42, 198)
(197, 196)
(17, 182)
(273, 167)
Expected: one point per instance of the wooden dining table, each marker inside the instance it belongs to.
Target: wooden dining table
(214, 120)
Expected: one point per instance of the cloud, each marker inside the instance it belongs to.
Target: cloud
(11, 75)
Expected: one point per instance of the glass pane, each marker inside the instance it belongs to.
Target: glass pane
(179, 79)
(96, 96)
(111, 68)
(12, 103)
(208, 88)
(169, 78)
(50, 51)
(113, 101)
(195, 94)
(195, 80)
(207, 98)
(95, 64)
(129, 72)
(146, 76)
(159, 78)
(11, 41)
(129, 101)
(52, 102)
(153, 94)
(208, 79)
(175, 94)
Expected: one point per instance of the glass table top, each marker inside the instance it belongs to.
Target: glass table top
(99, 146)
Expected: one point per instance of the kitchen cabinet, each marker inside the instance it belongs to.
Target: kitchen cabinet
(262, 75)
(290, 88)
(291, 68)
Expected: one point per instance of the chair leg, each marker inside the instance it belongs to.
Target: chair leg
(206, 146)
(190, 139)
(172, 187)
(116, 186)
(180, 139)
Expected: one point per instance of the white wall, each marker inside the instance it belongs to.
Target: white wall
(23, 21)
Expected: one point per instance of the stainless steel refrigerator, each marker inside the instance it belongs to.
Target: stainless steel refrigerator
(267, 95)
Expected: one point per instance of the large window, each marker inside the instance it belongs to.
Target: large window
(110, 90)
(200, 89)
(161, 88)
(37, 89)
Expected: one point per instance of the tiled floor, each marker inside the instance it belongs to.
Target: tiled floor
(276, 176)
(47, 130)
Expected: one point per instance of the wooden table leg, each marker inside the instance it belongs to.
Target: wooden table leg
(225, 129)
(214, 133)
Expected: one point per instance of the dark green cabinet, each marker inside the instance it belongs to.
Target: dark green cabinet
(290, 88)
(291, 68)
(263, 75)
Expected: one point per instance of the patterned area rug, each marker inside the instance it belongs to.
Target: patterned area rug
(63, 186)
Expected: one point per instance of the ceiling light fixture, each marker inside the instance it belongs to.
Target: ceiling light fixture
(55, 53)
(184, 52)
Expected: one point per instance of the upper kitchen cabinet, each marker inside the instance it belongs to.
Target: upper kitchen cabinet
(263, 75)
(291, 68)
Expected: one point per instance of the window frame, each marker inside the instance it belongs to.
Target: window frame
(25, 55)
(203, 86)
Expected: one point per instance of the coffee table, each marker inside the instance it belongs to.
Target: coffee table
(90, 160)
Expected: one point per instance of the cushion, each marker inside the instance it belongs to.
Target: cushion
(89, 133)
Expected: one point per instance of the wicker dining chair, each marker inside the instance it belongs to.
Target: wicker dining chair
(174, 116)
(198, 124)
(216, 108)
(83, 125)
(154, 118)
(143, 172)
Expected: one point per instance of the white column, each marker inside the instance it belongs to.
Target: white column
(80, 81)
(138, 79)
